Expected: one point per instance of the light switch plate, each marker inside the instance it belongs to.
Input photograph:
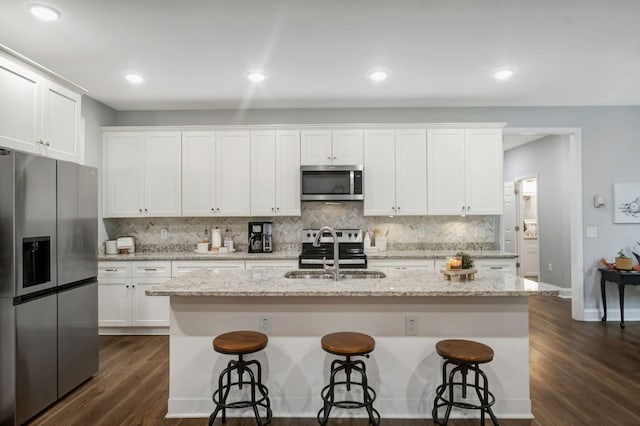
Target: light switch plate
(592, 232)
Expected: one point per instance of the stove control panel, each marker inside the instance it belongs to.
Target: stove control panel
(344, 236)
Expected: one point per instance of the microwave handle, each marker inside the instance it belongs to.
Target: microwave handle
(352, 180)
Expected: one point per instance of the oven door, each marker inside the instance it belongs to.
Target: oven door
(322, 183)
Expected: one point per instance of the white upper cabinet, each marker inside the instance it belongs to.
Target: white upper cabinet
(162, 174)
(233, 173)
(275, 173)
(465, 171)
(198, 173)
(395, 171)
(411, 172)
(326, 147)
(216, 173)
(379, 172)
(37, 115)
(484, 163)
(142, 172)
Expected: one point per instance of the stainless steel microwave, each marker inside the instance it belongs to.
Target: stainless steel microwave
(324, 183)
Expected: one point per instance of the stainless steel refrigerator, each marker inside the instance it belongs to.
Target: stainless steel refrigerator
(48, 285)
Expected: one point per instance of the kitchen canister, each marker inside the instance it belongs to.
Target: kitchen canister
(110, 247)
(381, 243)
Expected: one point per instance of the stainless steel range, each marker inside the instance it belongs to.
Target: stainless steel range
(351, 249)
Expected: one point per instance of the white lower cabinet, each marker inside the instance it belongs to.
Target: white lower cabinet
(426, 264)
(122, 301)
(181, 267)
(272, 264)
(505, 265)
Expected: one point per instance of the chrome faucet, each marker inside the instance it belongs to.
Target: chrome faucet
(335, 269)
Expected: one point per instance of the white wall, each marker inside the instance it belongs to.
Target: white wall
(609, 154)
(548, 158)
(96, 115)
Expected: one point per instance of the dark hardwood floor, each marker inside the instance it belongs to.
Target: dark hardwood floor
(581, 374)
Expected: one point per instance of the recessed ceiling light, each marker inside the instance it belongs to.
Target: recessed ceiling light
(134, 78)
(379, 75)
(256, 76)
(503, 73)
(44, 13)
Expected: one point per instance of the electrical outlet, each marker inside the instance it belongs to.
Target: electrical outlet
(164, 234)
(265, 325)
(411, 325)
(421, 231)
(592, 232)
(549, 267)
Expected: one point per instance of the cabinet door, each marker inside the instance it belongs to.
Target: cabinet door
(411, 172)
(61, 123)
(150, 311)
(347, 147)
(181, 267)
(424, 264)
(198, 173)
(162, 174)
(20, 107)
(233, 173)
(287, 173)
(483, 161)
(124, 159)
(315, 147)
(114, 302)
(263, 173)
(379, 173)
(446, 172)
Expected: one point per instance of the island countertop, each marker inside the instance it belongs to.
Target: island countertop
(398, 282)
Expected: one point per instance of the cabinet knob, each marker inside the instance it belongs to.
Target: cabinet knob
(140, 210)
(218, 209)
(212, 209)
(328, 158)
(278, 208)
(462, 209)
(146, 211)
(468, 208)
(272, 209)
(398, 208)
(40, 142)
(47, 143)
(127, 285)
(133, 286)
(335, 158)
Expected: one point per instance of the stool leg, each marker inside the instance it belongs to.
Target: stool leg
(359, 366)
(486, 398)
(482, 397)
(439, 391)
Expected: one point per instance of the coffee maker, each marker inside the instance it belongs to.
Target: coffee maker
(260, 237)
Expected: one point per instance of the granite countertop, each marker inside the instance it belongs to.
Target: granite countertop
(399, 282)
(293, 255)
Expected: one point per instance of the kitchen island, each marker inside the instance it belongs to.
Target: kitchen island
(295, 313)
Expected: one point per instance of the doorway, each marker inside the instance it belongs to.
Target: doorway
(521, 230)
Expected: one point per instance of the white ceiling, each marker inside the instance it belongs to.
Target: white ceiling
(195, 53)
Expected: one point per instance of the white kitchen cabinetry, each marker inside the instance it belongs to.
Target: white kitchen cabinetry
(395, 165)
(326, 147)
(216, 173)
(275, 173)
(505, 265)
(181, 267)
(143, 174)
(38, 115)
(271, 264)
(464, 171)
(426, 264)
(121, 299)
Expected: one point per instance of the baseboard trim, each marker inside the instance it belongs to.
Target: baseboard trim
(613, 314)
(140, 331)
(565, 293)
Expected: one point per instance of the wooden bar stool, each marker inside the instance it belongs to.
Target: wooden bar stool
(464, 356)
(241, 343)
(348, 344)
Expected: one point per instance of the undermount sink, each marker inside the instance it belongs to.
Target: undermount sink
(346, 275)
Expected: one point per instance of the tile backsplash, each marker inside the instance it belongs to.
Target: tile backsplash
(404, 232)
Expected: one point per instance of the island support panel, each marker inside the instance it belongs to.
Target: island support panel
(404, 370)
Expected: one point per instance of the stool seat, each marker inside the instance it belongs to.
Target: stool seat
(347, 343)
(240, 342)
(464, 351)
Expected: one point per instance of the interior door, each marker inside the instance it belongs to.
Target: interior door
(509, 218)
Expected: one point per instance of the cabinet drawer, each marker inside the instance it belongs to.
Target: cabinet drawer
(151, 269)
(506, 265)
(179, 268)
(271, 264)
(114, 269)
(426, 264)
